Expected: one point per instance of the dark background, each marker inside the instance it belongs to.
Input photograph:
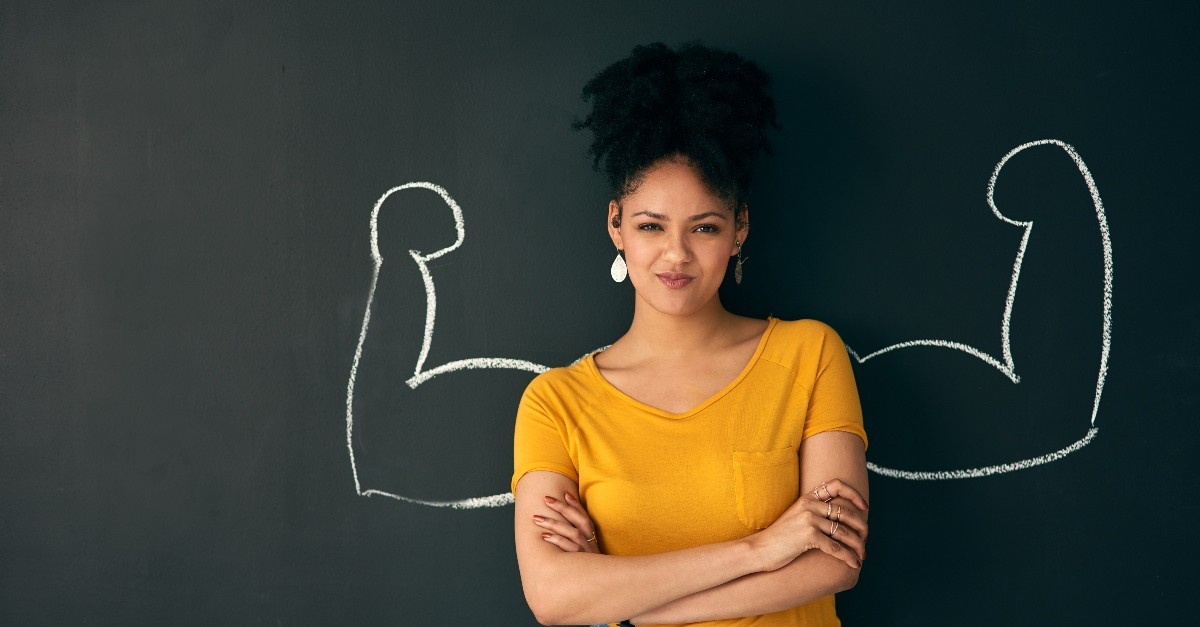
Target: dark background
(186, 191)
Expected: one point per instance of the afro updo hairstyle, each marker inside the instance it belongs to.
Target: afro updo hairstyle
(709, 108)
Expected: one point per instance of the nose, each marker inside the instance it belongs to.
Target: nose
(675, 249)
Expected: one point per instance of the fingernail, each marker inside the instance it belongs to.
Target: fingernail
(568, 496)
(551, 500)
(539, 519)
(545, 536)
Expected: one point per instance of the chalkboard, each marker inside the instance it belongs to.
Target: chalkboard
(274, 275)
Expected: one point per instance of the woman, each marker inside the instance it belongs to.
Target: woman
(659, 481)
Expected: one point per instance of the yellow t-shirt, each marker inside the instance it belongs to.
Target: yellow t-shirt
(654, 481)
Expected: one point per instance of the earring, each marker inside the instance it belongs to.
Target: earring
(737, 268)
(619, 270)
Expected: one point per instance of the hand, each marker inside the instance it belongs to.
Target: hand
(832, 517)
(572, 530)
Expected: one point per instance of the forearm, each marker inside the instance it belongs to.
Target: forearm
(581, 588)
(808, 577)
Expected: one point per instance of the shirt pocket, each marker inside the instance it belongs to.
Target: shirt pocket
(765, 483)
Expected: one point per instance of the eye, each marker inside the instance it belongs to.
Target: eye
(708, 228)
(649, 226)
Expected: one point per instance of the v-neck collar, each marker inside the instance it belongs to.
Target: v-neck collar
(590, 362)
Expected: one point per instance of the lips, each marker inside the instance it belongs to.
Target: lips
(675, 280)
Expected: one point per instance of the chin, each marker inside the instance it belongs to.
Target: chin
(676, 306)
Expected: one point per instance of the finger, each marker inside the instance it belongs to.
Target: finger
(562, 543)
(836, 549)
(822, 529)
(821, 516)
(836, 487)
(574, 514)
(844, 513)
(841, 543)
(564, 529)
(848, 514)
(847, 538)
(564, 505)
(577, 515)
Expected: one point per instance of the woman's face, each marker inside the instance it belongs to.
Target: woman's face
(677, 237)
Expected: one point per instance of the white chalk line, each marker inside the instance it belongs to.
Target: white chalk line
(975, 473)
(496, 500)
(477, 363)
(1006, 365)
(970, 350)
(420, 375)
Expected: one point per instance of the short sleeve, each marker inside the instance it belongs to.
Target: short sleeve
(833, 403)
(539, 438)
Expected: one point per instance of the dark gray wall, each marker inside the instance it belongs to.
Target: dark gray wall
(186, 192)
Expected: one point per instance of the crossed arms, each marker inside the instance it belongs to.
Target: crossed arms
(793, 561)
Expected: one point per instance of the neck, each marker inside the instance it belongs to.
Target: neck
(669, 335)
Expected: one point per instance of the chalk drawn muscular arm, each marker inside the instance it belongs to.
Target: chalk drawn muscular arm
(772, 570)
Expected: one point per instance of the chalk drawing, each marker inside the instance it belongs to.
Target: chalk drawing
(419, 374)
(1005, 364)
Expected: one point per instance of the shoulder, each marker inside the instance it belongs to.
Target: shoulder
(565, 380)
(795, 344)
(806, 331)
(561, 395)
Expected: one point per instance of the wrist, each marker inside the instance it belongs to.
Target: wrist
(762, 556)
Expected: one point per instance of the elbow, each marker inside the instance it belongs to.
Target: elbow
(846, 578)
(549, 610)
(545, 610)
(544, 618)
(552, 600)
(541, 613)
(551, 616)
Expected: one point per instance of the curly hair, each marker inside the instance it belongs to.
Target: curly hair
(709, 107)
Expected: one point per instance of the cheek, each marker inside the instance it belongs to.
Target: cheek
(723, 251)
(638, 258)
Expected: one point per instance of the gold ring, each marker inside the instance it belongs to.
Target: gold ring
(593, 538)
(829, 511)
(827, 493)
(839, 513)
(834, 527)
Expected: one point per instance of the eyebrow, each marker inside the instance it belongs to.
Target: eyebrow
(695, 218)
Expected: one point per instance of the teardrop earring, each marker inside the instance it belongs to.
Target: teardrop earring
(737, 268)
(619, 270)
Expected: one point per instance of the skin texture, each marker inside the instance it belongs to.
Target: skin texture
(682, 346)
(672, 224)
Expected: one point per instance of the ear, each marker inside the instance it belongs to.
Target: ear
(614, 218)
(742, 230)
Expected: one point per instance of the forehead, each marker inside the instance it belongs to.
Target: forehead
(672, 187)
